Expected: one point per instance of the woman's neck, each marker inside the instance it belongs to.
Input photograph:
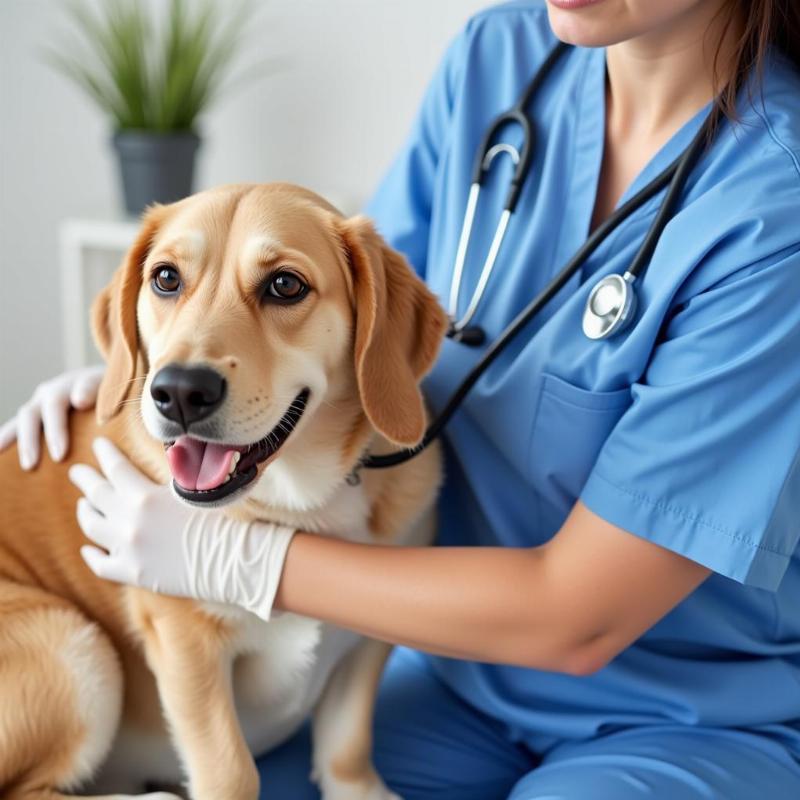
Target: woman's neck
(658, 81)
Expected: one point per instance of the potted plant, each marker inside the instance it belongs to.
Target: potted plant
(153, 77)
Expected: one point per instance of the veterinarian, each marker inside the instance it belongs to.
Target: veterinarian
(618, 613)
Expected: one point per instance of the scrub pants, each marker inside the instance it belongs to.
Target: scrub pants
(430, 745)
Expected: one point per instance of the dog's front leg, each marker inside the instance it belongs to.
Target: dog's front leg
(342, 727)
(185, 650)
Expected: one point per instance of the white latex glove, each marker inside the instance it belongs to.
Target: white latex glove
(154, 541)
(49, 407)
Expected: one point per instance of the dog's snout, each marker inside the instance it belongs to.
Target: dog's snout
(187, 394)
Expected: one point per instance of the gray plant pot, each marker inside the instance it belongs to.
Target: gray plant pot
(155, 167)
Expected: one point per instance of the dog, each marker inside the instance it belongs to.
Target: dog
(320, 334)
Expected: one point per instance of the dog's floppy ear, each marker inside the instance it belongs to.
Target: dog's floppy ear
(114, 319)
(399, 328)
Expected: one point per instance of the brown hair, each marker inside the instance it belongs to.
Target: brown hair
(763, 25)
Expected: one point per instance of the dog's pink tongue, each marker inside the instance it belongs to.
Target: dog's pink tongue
(197, 465)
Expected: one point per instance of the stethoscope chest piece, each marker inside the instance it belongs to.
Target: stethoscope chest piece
(610, 307)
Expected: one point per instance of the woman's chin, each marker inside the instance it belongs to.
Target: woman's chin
(597, 24)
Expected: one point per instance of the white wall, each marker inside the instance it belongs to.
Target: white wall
(352, 74)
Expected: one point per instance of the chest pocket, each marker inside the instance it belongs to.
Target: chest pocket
(569, 429)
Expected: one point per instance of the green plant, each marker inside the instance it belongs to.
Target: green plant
(147, 75)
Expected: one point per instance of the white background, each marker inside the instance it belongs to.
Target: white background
(352, 73)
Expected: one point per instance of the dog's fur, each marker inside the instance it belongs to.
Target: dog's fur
(95, 677)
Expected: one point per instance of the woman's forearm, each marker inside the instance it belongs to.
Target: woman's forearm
(486, 604)
(569, 606)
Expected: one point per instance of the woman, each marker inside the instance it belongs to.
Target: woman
(636, 500)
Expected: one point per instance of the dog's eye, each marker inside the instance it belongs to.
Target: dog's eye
(166, 280)
(285, 286)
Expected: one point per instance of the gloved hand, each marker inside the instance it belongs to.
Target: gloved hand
(154, 541)
(48, 407)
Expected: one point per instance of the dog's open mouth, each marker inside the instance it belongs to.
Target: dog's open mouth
(205, 472)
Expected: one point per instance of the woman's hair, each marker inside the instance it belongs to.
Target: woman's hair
(763, 25)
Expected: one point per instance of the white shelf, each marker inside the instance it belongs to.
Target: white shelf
(89, 252)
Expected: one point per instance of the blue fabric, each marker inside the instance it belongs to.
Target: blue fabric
(685, 431)
(431, 744)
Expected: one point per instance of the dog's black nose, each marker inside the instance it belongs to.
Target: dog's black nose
(187, 394)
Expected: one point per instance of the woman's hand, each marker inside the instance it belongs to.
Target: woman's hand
(152, 540)
(49, 408)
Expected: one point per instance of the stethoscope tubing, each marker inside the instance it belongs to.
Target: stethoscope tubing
(673, 176)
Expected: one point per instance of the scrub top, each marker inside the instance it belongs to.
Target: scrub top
(684, 431)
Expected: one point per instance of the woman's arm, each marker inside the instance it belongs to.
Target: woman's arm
(568, 606)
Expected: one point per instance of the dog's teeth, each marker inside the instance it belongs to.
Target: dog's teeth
(227, 478)
(234, 461)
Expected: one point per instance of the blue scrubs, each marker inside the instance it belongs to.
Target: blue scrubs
(685, 431)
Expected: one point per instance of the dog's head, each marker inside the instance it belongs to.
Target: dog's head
(266, 330)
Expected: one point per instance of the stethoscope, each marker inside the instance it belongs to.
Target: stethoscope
(611, 304)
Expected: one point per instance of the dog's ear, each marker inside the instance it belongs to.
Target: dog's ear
(399, 328)
(114, 319)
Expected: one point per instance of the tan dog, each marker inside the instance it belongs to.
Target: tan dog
(321, 334)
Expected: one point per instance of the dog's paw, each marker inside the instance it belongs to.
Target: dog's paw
(372, 790)
(381, 792)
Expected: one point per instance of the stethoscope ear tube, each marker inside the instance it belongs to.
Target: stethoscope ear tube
(521, 157)
(517, 115)
(486, 153)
